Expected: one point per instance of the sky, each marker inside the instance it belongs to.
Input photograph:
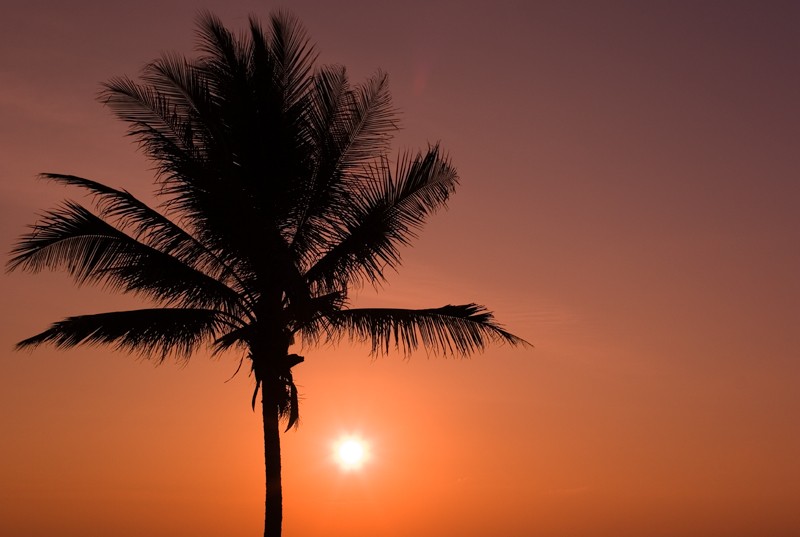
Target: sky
(628, 204)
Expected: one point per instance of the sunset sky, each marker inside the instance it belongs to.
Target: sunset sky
(629, 203)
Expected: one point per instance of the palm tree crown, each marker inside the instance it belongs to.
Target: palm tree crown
(277, 199)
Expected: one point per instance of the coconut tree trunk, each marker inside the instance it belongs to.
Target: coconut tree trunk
(273, 514)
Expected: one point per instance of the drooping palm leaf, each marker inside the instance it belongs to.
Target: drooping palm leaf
(289, 404)
(449, 330)
(153, 333)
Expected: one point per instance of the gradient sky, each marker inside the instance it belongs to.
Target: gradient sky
(629, 204)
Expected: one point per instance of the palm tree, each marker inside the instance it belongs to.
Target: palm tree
(277, 200)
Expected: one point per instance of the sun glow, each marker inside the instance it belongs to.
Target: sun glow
(350, 453)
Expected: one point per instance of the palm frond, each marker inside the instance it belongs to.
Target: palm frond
(224, 54)
(154, 229)
(153, 333)
(241, 336)
(154, 120)
(371, 119)
(387, 214)
(289, 404)
(348, 128)
(449, 330)
(93, 251)
(183, 84)
(185, 145)
(293, 53)
(298, 315)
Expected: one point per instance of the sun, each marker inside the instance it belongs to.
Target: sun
(350, 453)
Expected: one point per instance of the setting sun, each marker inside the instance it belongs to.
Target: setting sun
(351, 453)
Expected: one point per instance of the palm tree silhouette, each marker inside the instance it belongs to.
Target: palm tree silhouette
(277, 199)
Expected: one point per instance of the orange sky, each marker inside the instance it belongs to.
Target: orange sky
(629, 204)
